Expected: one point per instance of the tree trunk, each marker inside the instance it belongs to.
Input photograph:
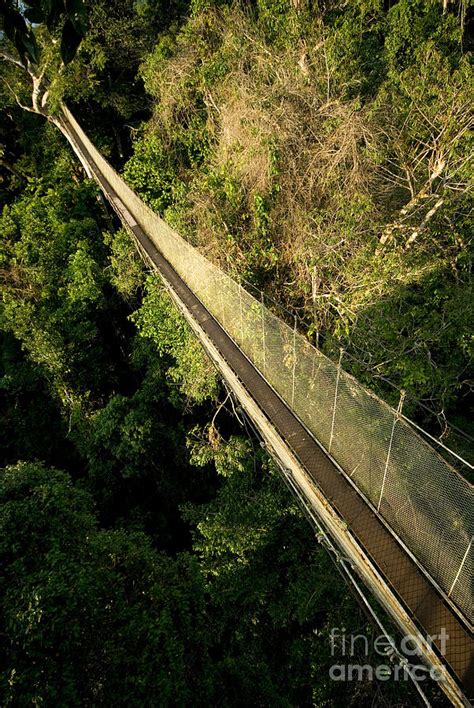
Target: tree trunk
(61, 124)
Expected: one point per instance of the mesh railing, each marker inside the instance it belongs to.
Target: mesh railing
(422, 498)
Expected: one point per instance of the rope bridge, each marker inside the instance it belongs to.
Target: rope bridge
(410, 511)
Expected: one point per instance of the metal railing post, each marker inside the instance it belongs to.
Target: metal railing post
(461, 566)
(221, 291)
(241, 315)
(294, 365)
(263, 335)
(338, 375)
(387, 461)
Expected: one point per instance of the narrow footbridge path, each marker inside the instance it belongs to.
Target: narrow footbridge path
(397, 512)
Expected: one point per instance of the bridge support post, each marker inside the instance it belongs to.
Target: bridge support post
(461, 566)
(264, 357)
(222, 304)
(241, 308)
(389, 452)
(338, 375)
(294, 365)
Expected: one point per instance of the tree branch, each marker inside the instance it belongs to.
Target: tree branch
(6, 56)
(11, 168)
(25, 108)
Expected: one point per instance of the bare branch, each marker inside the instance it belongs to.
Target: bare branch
(424, 223)
(6, 56)
(15, 96)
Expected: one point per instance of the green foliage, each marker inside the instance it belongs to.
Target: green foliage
(426, 326)
(280, 21)
(31, 422)
(18, 25)
(134, 452)
(158, 320)
(236, 523)
(83, 278)
(104, 71)
(414, 24)
(127, 269)
(100, 615)
(151, 173)
(53, 289)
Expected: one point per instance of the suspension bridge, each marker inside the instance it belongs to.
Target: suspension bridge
(396, 515)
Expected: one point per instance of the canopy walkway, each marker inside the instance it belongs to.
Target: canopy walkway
(400, 515)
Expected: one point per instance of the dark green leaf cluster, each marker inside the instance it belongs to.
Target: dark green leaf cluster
(19, 19)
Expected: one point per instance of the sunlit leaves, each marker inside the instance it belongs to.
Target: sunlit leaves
(158, 320)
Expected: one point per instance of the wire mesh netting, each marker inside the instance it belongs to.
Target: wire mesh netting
(422, 498)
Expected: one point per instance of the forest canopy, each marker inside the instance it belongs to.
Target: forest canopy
(150, 551)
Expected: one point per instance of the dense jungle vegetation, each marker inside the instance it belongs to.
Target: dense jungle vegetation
(150, 553)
